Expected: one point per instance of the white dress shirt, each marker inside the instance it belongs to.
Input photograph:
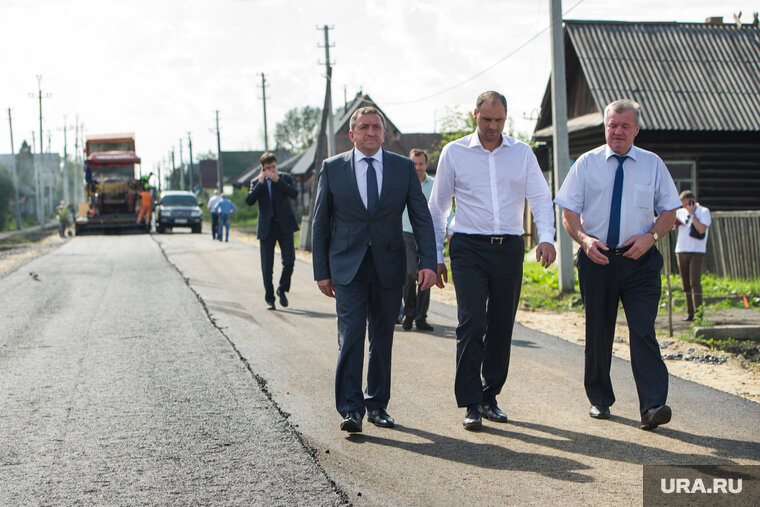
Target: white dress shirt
(490, 188)
(360, 170)
(213, 202)
(686, 243)
(647, 188)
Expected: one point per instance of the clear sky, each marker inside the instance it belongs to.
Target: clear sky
(161, 68)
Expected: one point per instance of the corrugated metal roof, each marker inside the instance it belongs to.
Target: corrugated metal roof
(686, 76)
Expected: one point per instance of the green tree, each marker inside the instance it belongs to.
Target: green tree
(299, 128)
(6, 197)
(456, 124)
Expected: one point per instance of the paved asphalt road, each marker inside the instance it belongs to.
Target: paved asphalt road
(145, 369)
(116, 389)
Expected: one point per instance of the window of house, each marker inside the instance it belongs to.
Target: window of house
(683, 173)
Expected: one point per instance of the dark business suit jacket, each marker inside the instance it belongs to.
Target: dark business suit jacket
(343, 228)
(282, 189)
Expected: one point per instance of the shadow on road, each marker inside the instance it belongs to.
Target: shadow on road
(724, 447)
(626, 451)
(500, 457)
(482, 455)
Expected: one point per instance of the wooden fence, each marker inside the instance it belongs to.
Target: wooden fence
(733, 245)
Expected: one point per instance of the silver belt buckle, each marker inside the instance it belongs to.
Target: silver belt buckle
(497, 240)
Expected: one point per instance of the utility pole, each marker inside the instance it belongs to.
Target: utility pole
(174, 169)
(78, 190)
(35, 165)
(39, 191)
(560, 148)
(66, 195)
(218, 156)
(15, 172)
(190, 150)
(181, 164)
(264, 100)
(328, 98)
(325, 145)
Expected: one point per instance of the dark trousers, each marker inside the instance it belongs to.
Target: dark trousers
(690, 266)
(487, 278)
(416, 302)
(214, 225)
(361, 304)
(288, 254)
(637, 284)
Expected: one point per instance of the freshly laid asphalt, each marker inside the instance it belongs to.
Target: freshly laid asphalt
(116, 389)
(145, 369)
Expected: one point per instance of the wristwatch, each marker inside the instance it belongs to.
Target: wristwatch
(654, 235)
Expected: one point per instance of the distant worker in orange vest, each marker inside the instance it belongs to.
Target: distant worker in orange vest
(146, 201)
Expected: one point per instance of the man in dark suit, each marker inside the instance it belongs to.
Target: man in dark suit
(359, 257)
(277, 223)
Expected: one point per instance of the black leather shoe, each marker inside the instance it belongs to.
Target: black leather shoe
(407, 324)
(688, 318)
(655, 416)
(283, 298)
(599, 412)
(270, 306)
(422, 325)
(492, 412)
(381, 418)
(352, 423)
(472, 420)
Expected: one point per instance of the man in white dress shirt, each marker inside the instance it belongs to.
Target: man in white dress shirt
(610, 198)
(490, 175)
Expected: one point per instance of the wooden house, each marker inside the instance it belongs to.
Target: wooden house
(698, 85)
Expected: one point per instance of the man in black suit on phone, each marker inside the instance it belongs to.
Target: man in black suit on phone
(277, 223)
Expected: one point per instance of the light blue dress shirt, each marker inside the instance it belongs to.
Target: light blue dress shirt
(647, 188)
(427, 186)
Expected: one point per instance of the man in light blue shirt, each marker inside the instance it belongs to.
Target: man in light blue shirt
(224, 208)
(416, 301)
(609, 201)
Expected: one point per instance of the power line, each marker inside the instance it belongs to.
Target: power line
(478, 74)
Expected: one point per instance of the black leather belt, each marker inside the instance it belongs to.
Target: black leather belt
(494, 240)
(618, 251)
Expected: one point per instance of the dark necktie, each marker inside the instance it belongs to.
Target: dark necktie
(372, 194)
(613, 232)
(271, 198)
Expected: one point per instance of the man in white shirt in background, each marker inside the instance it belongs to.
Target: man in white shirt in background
(692, 222)
(416, 301)
(214, 216)
(490, 175)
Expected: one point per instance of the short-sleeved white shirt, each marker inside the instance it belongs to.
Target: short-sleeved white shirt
(647, 188)
(686, 243)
